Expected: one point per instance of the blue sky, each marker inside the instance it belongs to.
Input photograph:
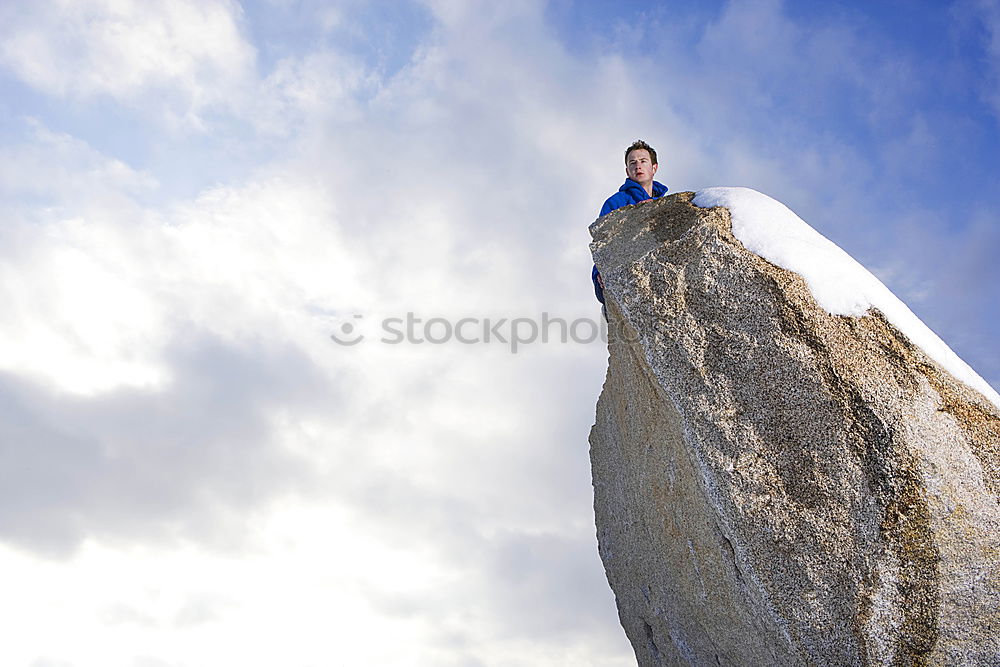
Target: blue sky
(196, 195)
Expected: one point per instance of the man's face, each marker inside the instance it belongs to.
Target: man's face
(639, 167)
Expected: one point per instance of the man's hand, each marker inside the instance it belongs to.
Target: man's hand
(600, 280)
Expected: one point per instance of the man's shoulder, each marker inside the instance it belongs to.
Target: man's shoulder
(617, 200)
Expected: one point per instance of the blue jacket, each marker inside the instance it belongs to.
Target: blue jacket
(629, 193)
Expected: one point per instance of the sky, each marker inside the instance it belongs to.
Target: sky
(273, 385)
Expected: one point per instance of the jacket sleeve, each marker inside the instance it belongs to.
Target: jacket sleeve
(609, 206)
(598, 290)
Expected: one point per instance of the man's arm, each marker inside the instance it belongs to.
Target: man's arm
(609, 205)
(598, 284)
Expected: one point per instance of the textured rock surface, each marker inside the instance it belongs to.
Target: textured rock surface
(775, 485)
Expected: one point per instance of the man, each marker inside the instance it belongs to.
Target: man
(640, 167)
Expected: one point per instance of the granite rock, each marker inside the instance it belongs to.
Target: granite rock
(776, 485)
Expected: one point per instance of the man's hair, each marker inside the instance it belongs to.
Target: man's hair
(637, 144)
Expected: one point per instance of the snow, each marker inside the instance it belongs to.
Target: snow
(839, 283)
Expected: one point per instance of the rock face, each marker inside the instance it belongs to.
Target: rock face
(775, 485)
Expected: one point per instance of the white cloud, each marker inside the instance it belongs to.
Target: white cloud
(59, 171)
(322, 87)
(227, 301)
(178, 56)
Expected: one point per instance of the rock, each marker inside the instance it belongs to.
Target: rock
(776, 485)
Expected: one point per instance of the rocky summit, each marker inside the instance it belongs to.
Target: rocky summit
(774, 484)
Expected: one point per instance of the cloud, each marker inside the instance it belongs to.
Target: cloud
(321, 87)
(48, 171)
(157, 363)
(188, 56)
(155, 465)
